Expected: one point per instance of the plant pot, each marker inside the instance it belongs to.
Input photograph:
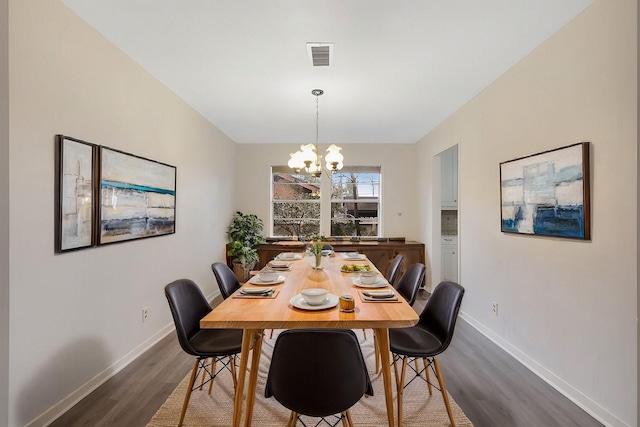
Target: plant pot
(243, 274)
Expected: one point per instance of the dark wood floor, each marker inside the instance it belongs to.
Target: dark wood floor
(492, 388)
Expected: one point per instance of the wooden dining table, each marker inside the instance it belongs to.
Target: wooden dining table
(254, 315)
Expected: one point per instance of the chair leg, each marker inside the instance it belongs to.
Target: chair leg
(293, 419)
(213, 371)
(232, 365)
(204, 374)
(345, 421)
(364, 331)
(349, 419)
(443, 390)
(405, 359)
(377, 352)
(395, 370)
(194, 373)
(426, 374)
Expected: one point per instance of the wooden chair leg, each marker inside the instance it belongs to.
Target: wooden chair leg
(204, 374)
(443, 390)
(426, 374)
(395, 370)
(377, 353)
(343, 418)
(405, 359)
(271, 334)
(293, 419)
(213, 371)
(232, 365)
(349, 419)
(364, 331)
(194, 373)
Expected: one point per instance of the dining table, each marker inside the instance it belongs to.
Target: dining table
(283, 309)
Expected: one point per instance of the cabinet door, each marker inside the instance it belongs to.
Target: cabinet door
(449, 263)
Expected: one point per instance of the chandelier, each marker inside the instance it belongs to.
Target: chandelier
(307, 158)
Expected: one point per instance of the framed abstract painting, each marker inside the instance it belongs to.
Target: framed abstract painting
(75, 191)
(137, 197)
(547, 194)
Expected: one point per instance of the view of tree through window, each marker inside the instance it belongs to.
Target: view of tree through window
(296, 204)
(355, 195)
(354, 198)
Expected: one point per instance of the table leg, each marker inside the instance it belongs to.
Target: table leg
(382, 335)
(247, 339)
(253, 377)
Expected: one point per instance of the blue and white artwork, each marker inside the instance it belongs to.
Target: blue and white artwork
(547, 193)
(137, 197)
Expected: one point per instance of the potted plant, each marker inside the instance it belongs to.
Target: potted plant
(245, 234)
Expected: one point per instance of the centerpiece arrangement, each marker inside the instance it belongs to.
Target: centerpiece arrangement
(314, 251)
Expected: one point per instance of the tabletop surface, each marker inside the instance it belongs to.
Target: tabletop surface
(278, 313)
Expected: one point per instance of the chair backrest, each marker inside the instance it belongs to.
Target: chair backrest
(188, 305)
(317, 372)
(410, 282)
(393, 269)
(441, 312)
(227, 280)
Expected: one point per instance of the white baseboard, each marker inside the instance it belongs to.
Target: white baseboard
(570, 392)
(53, 413)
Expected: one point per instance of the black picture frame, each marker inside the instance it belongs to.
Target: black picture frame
(75, 194)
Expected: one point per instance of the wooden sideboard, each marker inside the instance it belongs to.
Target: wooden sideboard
(380, 253)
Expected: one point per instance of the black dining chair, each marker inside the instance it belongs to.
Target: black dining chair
(427, 339)
(393, 269)
(411, 282)
(226, 278)
(408, 287)
(318, 373)
(227, 281)
(188, 305)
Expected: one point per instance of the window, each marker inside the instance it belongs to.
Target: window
(347, 204)
(355, 196)
(295, 202)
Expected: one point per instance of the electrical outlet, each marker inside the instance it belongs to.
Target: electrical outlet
(145, 314)
(494, 308)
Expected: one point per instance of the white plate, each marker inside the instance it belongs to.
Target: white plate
(293, 257)
(379, 283)
(255, 280)
(353, 256)
(299, 302)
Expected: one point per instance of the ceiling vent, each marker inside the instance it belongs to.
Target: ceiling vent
(320, 54)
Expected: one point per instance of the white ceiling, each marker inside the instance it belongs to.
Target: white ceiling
(400, 67)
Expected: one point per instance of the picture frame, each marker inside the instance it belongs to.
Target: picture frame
(137, 197)
(75, 194)
(548, 193)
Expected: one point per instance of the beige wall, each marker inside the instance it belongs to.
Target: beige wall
(4, 211)
(398, 166)
(568, 309)
(76, 317)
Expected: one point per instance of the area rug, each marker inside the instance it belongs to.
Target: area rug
(420, 408)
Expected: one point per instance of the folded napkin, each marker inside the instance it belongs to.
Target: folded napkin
(256, 291)
(386, 295)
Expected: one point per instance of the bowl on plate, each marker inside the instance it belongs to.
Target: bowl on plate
(268, 276)
(314, 296)
(368, 277)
